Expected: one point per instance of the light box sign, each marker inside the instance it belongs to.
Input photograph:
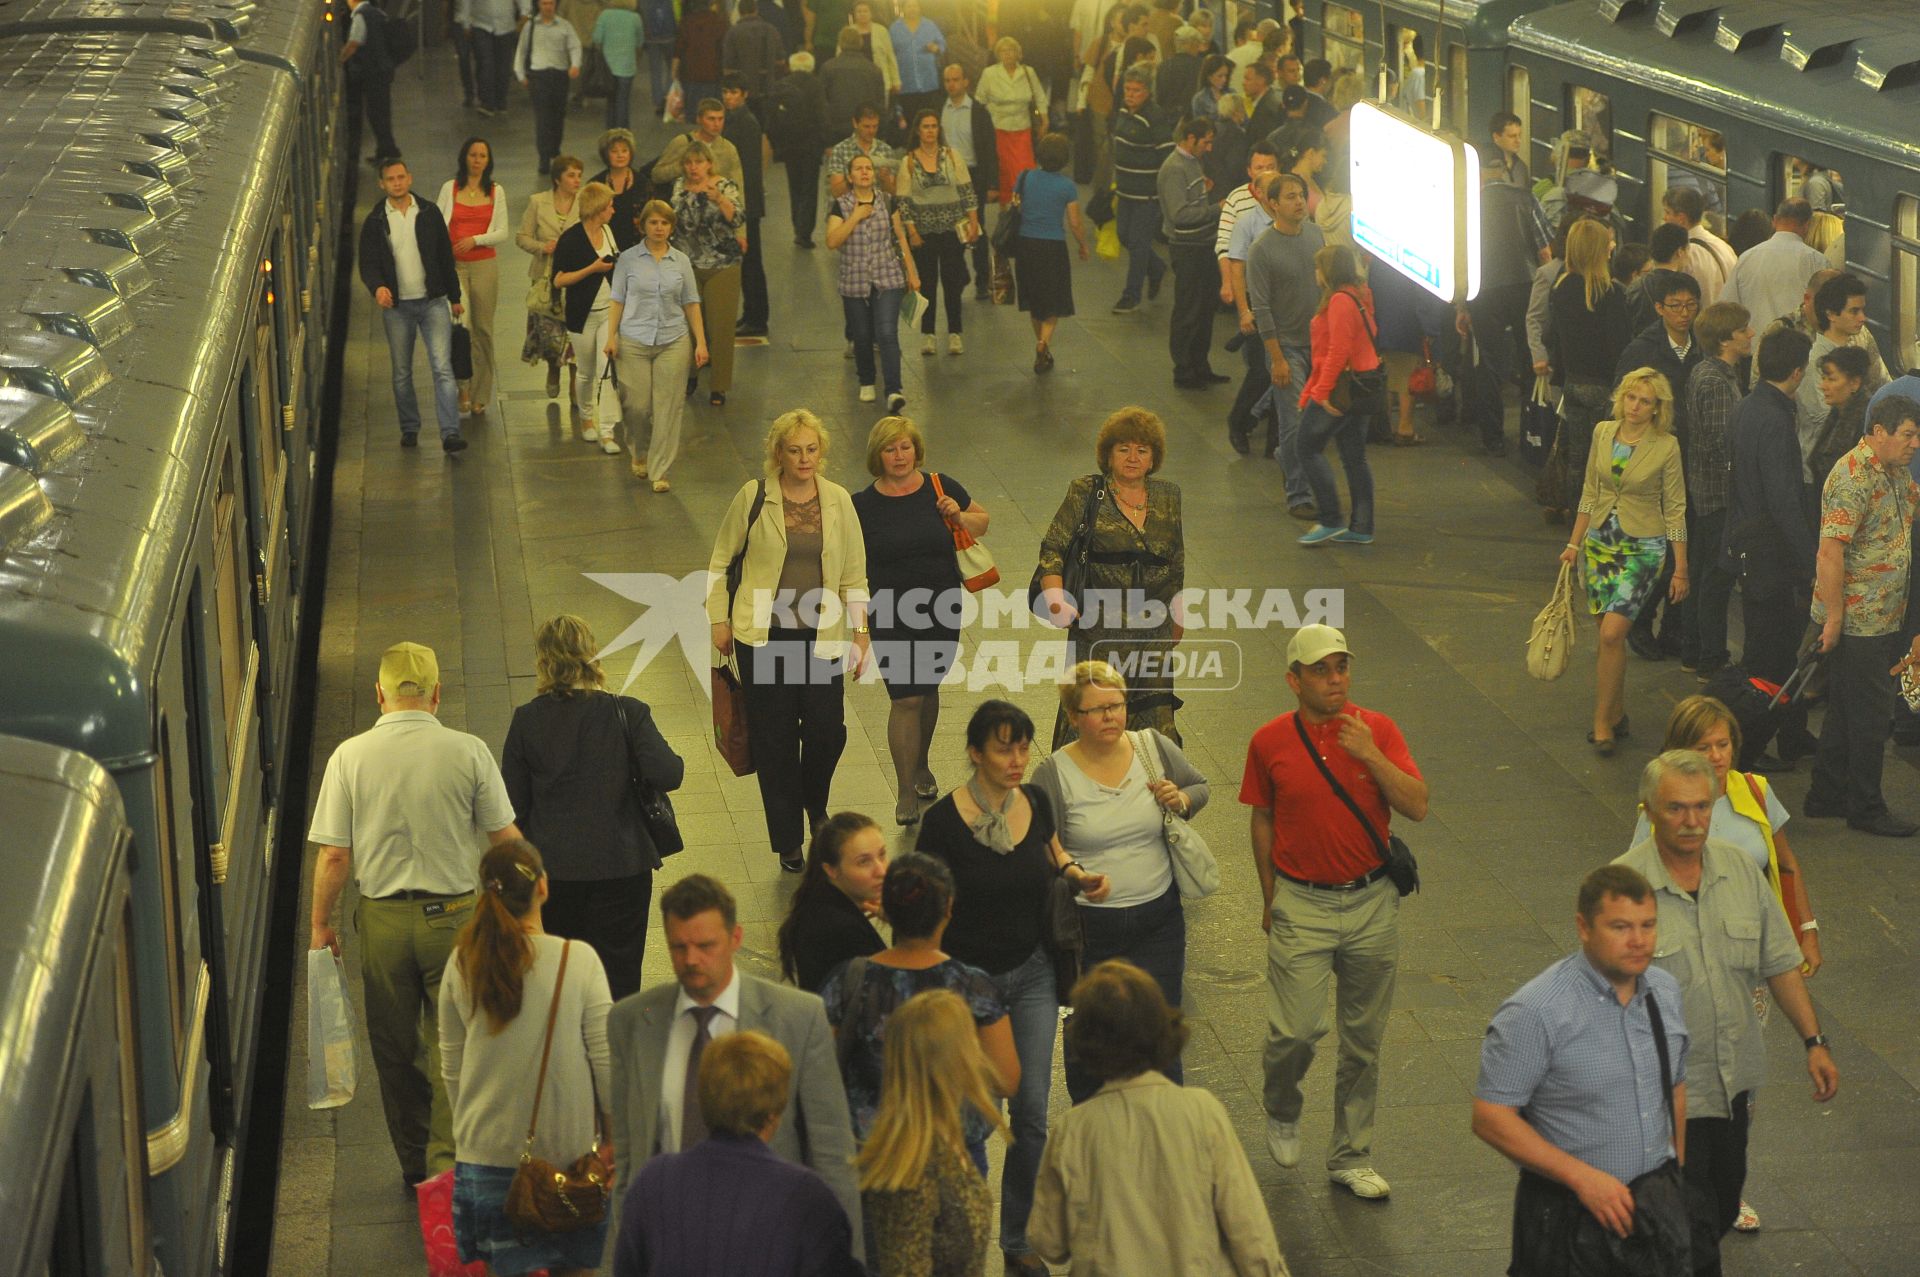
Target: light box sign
(1416, 201)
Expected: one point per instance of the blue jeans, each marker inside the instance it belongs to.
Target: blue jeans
(1139, 219)
(874, 320)
(659, 72)
(1286, 408)
(1153, 937)
(432, 320)
(1035, 1015)
(1349, 434)
(620, 103)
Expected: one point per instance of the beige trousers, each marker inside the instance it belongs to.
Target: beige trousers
(653, 391)
(720, 310)
(480, 295)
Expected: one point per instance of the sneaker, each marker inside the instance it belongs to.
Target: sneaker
(1283, 1141)
(848, 352)
(639, 468)
(926, 343)
(955, 346)
(895, 402)
(1125, 306)
(1747, 1221)
(1348, 536)
(1362, 1181)
(590, 433)
(608, 445)
(868, 394)
(1319, 533)
(661, 485)
(453, 443)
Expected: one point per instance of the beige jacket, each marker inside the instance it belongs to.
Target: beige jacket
(1650, 494)
(539, 226)
(1148, 1177)
(843, 565)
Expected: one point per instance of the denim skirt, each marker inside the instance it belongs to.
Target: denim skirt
(484, 1232)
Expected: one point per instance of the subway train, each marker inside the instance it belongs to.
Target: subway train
(1741, 98)
(171, 205)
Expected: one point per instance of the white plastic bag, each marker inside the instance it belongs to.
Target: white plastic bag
(330, 1062)
(676, 105)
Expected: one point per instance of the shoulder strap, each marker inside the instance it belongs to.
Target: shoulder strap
(1373, 331)
(546, 1049)
(1379, 848)
(1666, 1066)
(939, 493)
(1144, 746)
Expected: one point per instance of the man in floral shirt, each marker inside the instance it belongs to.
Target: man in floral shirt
(1860, 605)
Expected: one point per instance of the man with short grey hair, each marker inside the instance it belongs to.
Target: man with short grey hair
(1722, 932)
(418, 802)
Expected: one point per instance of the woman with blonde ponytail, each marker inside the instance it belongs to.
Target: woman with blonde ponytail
(494, 1004)
(928, 1208)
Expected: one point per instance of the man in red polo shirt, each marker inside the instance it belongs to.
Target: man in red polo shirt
(1330, 907)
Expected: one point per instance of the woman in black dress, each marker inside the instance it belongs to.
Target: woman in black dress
(830, 918)
(907, 517)
(566, 764)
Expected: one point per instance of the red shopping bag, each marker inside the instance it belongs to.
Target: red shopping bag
(435, 1195)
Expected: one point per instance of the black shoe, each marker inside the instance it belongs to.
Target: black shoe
(1304, 510)
(744, 329)
(793, 862)
(453, 443)
(410, 1183)
(983, 294)
(1644, 644)
(1767, 765)
(409, 440)
(1236, 341)
(1241, 443)
(692, 383)
(1216, 378)
(803, 241)
(1670, 641)
(1192, 383)
(1816, 808)
(1885, 825)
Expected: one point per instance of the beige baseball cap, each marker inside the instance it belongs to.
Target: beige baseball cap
(405, 663)
(1313, 643)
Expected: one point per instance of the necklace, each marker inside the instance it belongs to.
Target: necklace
(1121, 497)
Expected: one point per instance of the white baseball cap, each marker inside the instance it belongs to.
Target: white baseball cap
(1313, 643)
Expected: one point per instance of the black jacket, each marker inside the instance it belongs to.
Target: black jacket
(436, 251)
(574, 251)
(827, 931)
(986, 152)
(1769, 543)
(1651, 349)
(743, 130)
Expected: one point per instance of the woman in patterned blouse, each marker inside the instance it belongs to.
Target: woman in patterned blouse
(942, 218)
(712, 230)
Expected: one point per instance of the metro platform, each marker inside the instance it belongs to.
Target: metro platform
(469, 554)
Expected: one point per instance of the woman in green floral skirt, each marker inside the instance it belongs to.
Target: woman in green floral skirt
(1633, 509)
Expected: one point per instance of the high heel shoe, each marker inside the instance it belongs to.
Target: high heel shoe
(907, 811)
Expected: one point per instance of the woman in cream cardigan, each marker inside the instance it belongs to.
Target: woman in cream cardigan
(1633, 508)
(798, 624)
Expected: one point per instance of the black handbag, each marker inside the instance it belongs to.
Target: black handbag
(1007, 229)
(1362, 392)
(462, 353)
(1064, 936)
(1073, 562)
(656, 809)
(1395, 855)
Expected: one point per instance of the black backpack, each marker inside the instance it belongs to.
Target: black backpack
(399, 34)
(785, 109)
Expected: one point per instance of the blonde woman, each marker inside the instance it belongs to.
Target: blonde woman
(549, 212)
(475, 207)
(1588, 330)
(1633, 506)
(797, 624)
(655, 338)
(1012, 95)
(928, 1208)
(566, 764)
(583, 264)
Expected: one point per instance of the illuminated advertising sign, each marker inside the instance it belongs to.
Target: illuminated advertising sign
(1416, 201)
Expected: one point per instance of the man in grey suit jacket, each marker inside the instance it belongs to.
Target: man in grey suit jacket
(656, 1037)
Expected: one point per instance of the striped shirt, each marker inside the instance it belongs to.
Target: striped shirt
(1238, 201)
(1142, 140)
(1583, 1070)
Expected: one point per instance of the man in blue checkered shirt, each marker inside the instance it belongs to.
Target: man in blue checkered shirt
(1571, 1088)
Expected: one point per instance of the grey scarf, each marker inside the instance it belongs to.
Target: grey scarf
(990, 829)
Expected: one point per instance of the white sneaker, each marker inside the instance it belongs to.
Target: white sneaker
(896, 401)
(1283, 1141)
(868, 394)
(926, 343)
(1362, 1181)
(954, 345)
(608, 444)
(590, 433)
(848, 352)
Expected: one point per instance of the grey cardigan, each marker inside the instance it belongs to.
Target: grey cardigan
(1173, 766)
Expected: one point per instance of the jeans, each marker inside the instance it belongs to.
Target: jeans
(1153, 937)
(796, 718)
(432, 320)
(1286, 409)
(1853, 739)
(1034, 1014)
(1349, 434)
(1139, 219)
(659, 72)
(941, 260)
(549, 90)
(1196, 292)
(1716, 1174)
(874, 320)
(1705, 617)
(620, 103)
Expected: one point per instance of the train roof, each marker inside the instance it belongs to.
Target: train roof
(118, 338)
(1845, 73)
(280, 34)
(1484, 21)
(63, 858)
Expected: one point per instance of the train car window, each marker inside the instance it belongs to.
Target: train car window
(229, 574)
(1592, 113)
(1520, 102)
(1413, 74)
(1684, 154)
(133, 1136)
(1344, 38)
(165, 869)
(1808, 179)
(1906, 282)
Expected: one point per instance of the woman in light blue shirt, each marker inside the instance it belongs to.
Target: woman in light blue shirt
(655, 338)
(617, 34)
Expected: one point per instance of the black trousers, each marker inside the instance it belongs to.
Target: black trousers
(1716, 1173)
(493, 67)
(1257, 381)
(373, 94)
(463, 38)
(1853, 739)
(982, 247)
(1705, 613)
(803, 190)
(549, 90)
(1500, 330)
(1196, 285)
(1555, 1236)
(941, 260)
(796, 719)
(611, 915)
(754, 307)
(1775, 624)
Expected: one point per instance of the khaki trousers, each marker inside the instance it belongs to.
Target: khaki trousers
(404, 948)
(653, 391)
(480, 295)
(720, 310)
(1354, 938)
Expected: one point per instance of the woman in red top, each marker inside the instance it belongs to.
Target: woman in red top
(1343, 333)
(475, 209)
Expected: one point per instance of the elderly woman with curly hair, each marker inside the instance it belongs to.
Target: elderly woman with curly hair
(1633, 506)
(1134, 567)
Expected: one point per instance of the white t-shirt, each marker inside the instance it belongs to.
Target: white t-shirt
(409, 272)
(1729, 826)
(1117, 831)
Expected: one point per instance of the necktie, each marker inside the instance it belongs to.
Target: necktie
(693, 1126)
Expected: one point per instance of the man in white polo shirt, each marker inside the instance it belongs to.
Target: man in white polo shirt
(418, 802)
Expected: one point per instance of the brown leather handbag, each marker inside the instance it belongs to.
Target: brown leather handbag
(544, 1198)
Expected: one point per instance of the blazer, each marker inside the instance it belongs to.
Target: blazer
(1651, 497)
(539, 224)
(436, 252)
(815, 1131)
(843, 563)
(1769, 544)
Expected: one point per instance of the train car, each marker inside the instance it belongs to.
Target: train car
(71, 1132)
(1742, 100)
(171, 205)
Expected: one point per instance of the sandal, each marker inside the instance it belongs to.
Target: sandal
(1409, 441)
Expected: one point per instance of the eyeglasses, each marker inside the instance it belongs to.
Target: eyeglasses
(1691, 303)
(1117, 709)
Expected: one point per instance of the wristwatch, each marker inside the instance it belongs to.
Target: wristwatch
(1818, 1039)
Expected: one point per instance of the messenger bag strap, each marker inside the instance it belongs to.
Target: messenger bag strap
(1379, 847)
(546, 1049)
(1666, 1068)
